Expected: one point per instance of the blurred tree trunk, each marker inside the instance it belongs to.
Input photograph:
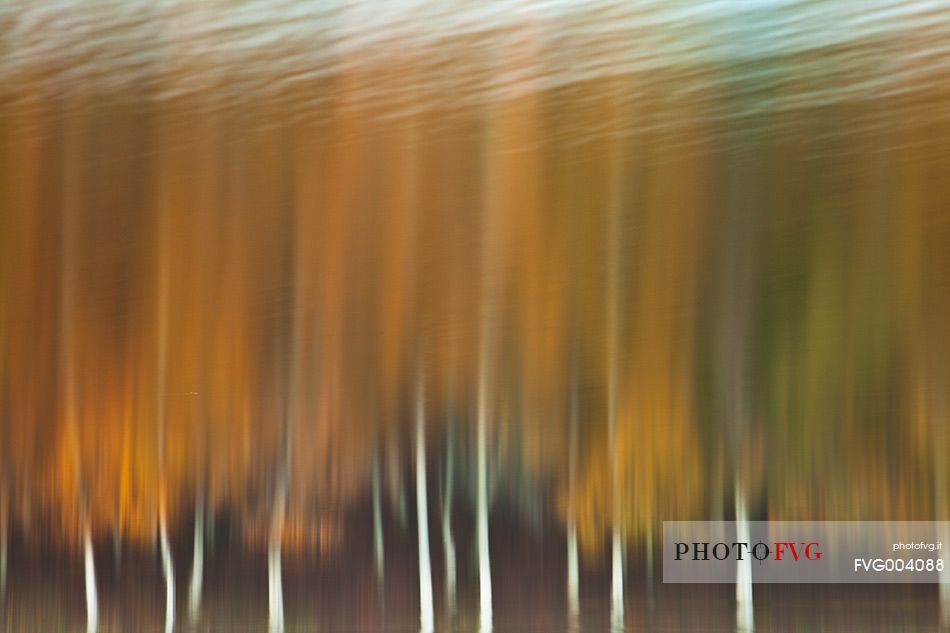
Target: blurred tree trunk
(573, 581)
(734, 332)
(426, 608)
(448, 542)
(163, 285)
(68, 281)
(378, 553)
(275, 589)
(92, 596)
(197, 559)
(168, 569)
(613, 302)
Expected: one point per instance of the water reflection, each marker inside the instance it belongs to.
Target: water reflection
(376, 316)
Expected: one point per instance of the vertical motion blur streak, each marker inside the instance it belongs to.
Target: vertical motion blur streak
(286, 288)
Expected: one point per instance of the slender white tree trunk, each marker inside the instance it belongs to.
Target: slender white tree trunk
(573, 571)
(448, 542)
(573, 581)
(481, 512)
(164, 285)
(616, 579)
(168, 570)
(491, 230)
(197, 564)
(426, 608)
(275, 586)
(378, 553)
(92, 596)
(275, 589)
(613, 343)
(745, 621)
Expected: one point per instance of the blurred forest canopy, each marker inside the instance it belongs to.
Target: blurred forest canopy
(664, 256)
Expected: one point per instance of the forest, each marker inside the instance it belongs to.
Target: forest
(521, 267)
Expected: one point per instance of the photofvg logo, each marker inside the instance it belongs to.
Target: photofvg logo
(778, 551)
(804, 551)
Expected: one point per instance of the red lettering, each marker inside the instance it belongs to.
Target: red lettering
(781, 547)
